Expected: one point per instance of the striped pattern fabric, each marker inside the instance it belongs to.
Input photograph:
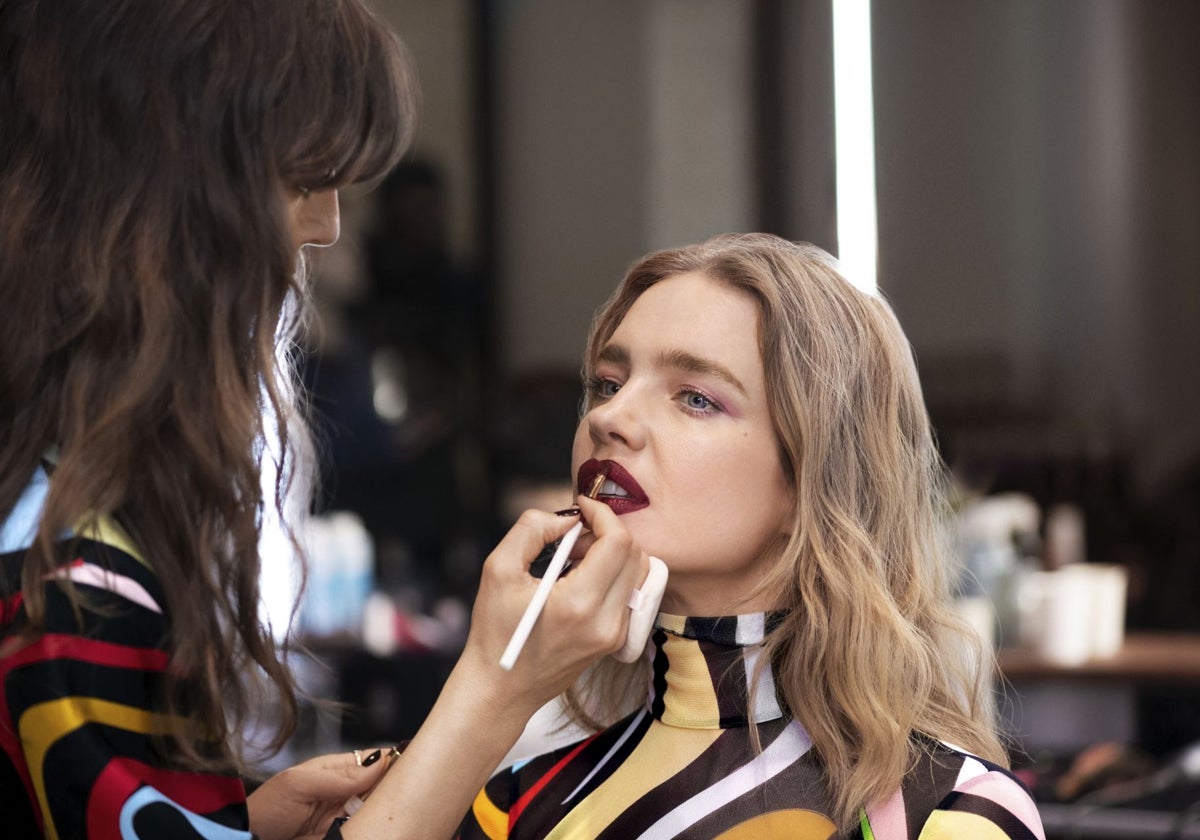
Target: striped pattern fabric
(684, 766)
(77, 719)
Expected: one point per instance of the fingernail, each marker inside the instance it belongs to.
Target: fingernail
(372, 758)
(573, 510)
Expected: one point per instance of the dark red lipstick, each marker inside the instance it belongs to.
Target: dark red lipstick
(635, 498)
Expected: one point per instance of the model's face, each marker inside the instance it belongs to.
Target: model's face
(313, 217)
(678, 414)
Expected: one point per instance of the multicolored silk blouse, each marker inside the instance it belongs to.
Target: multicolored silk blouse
(76, 714)
(684, 766)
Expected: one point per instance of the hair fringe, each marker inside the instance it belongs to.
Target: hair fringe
(146, 256)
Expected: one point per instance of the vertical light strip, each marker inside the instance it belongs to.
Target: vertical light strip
(854, 124)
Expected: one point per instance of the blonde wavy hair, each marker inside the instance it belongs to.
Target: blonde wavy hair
(871, 654)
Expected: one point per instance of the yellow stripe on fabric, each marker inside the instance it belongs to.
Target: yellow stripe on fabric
(955, 825)
(691, 699)
(41, 726)
(671, 623)
(662, 753)
(792, 824)
(104, 529)
(492, 821)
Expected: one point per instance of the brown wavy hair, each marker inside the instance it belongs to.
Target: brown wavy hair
(871, 653)
(151, 289)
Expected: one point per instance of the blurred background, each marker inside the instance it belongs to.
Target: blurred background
(1037, 204)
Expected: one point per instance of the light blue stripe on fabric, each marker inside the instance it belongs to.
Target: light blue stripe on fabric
(20, 528)
(203, 826)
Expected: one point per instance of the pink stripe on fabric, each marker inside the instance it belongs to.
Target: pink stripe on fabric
(889, 821)
(126, 587)
(1009, 795)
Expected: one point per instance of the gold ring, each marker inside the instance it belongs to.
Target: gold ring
(358, 757)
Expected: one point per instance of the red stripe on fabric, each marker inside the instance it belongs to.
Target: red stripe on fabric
(521, 804)
(56, 646)
(105, 800)
(64, 646)
(121, 777)
(10, 607)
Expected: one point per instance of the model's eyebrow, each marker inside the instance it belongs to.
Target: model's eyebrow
(682, 360)
(614, 354)
(617, 354)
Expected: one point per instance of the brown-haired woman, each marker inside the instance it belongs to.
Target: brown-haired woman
(162, 162)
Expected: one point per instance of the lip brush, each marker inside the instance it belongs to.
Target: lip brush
(542, 593)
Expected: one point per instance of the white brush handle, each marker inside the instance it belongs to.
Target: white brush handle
(525, 626)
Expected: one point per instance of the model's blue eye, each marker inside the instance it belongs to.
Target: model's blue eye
(601, 388)
(695, 402)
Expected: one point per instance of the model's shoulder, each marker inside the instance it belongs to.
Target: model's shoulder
(972, 797)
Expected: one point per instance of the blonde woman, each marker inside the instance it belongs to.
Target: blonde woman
(763, 432)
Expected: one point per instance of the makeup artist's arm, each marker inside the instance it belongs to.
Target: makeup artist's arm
(483, 709)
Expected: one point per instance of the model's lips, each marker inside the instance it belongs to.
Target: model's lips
(620, 491)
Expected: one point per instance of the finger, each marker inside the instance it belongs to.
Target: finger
(605, 530)
(613, 565)
(527, 537)
(328, 777)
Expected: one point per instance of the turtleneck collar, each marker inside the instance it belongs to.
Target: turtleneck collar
(702, 669)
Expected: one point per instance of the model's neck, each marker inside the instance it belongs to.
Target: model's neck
(703, 668)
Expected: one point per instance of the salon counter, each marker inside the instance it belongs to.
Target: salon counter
(1144, 658)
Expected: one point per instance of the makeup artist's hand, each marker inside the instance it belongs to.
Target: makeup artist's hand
(302, 801)
(586, 616)
(483, 709)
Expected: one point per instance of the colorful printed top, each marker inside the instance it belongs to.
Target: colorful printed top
(684, 766)
(76, 719)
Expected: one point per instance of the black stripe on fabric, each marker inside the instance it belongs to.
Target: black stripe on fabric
(115, 560)
(106, 617)
(731, 750)
(10, 570)
(800, 786)
(618, 759)
(75, 761)
(15, 804)
(720, 629)
(158, 819)
(547, 808)
(935, 772)
(658, 679)
(989, 809)
(773, 619)
(727, 670)
(497, 790)
(54, 679)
